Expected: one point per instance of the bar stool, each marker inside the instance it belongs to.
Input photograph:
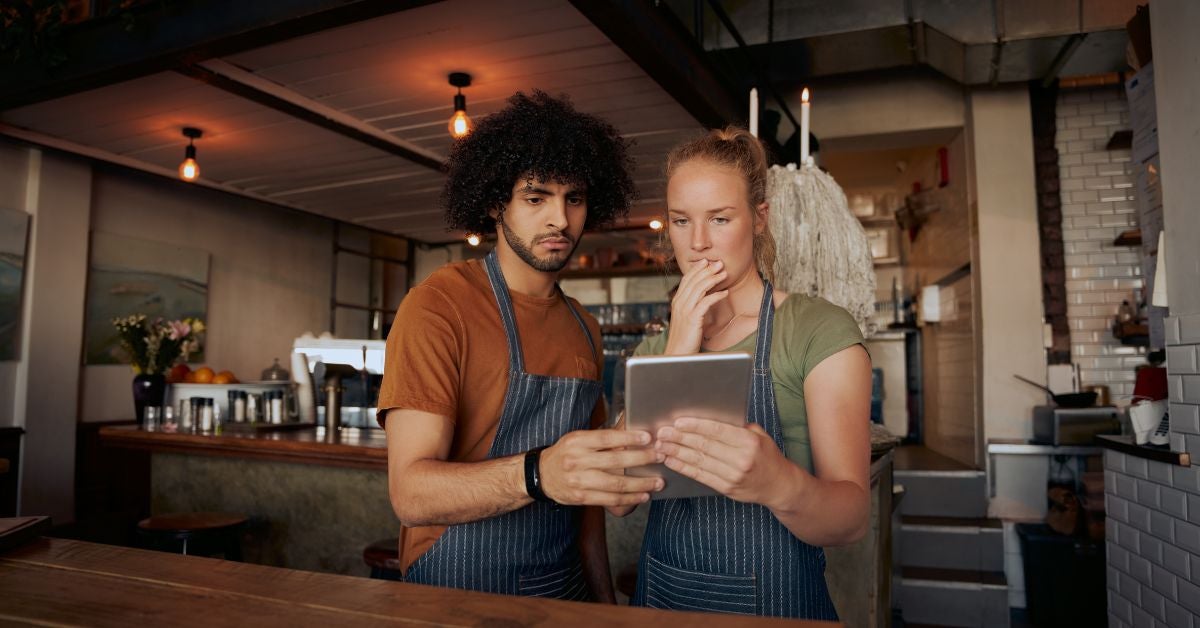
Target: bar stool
(204, 533)
(383, 557)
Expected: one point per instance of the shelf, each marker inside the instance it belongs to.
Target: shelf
(616, 271)
(1133, 237)
(1157, 453)
(1121, 140)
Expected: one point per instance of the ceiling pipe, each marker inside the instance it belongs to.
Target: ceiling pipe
(1064, 55)
(758, 73)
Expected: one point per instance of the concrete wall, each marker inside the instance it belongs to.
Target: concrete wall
(1097, 205)
(1007, 268)
(46, 386)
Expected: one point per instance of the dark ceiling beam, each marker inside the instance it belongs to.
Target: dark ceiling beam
(296, 107)
(167, 34)
(655, 40)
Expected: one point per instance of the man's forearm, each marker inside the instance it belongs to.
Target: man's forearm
(435, 492)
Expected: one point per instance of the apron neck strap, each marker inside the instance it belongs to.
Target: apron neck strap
(766, 321)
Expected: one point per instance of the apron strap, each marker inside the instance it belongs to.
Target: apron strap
(579, 319)
(766, 323)
(516, 358)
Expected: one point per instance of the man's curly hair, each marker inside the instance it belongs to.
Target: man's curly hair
(545, 139)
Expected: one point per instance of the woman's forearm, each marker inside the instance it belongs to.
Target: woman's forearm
(824, 513)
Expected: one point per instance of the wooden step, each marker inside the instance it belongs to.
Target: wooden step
(950, 543)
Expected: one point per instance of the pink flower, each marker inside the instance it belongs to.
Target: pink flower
(179, 329)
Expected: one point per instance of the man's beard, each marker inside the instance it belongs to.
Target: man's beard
(525, 251)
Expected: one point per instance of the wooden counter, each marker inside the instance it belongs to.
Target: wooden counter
(353, 447)
(61, 582)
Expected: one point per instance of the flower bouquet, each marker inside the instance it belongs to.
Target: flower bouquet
(153, 346)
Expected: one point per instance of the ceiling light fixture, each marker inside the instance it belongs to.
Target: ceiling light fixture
(656, 224)
(189, 170)
(473, 239)
(460, 124)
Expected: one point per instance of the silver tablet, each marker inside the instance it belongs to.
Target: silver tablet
(660, 389)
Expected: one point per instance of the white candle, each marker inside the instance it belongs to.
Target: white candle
(754, 111)
(804, 109)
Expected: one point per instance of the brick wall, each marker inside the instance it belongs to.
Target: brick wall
(1153, 525)
(1097, 204)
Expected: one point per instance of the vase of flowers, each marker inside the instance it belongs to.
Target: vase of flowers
(153, 346)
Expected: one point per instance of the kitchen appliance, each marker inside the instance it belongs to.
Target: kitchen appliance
(1055, 425)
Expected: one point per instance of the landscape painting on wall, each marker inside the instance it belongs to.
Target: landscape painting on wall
(14, 233)
(129, 276)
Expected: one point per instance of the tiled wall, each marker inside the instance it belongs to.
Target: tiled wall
(1097, 205)
(1153, 525)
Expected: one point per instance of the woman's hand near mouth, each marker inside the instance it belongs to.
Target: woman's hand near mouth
(694, 298)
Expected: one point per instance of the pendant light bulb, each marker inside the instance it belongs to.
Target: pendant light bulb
(189, 170)
(460, 124)
(473, 239)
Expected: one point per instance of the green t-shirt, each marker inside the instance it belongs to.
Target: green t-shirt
(807, 330)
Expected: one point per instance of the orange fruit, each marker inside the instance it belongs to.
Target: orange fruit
(224, 377)
(178, 373)
(189, 377)
(203, 375)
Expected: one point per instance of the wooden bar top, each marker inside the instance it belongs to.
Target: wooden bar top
(63, 582)
(353, 447)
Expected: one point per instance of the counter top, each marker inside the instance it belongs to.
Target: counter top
(63, 582)
(353, 447)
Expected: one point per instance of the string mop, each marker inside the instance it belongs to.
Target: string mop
(821, 247)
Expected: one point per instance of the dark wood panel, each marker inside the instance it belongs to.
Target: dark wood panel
(353, 447)
(76, 583)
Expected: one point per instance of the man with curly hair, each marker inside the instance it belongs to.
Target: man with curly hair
(491, 399)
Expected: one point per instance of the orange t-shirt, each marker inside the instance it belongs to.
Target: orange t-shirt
(447, 355)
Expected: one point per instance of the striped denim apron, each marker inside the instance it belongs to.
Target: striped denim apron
(717, 554)
(531, 551)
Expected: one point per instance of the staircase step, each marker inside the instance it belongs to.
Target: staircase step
(951, 543)
(953, 597)
(959, 494)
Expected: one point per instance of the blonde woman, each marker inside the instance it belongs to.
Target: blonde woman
(794, 478)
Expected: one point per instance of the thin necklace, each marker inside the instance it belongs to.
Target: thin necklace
(731, 319)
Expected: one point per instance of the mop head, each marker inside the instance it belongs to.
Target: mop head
(822, 249)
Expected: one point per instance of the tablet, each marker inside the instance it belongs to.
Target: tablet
(660, 389)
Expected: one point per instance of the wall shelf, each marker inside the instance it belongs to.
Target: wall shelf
(1132, 237)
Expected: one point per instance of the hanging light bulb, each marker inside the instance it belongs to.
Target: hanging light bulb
(656, 224)
(460, 123)
(473, 239)
(189, 170)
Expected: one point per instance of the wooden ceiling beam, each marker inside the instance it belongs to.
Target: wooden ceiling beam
(166, 34)
(245, 84)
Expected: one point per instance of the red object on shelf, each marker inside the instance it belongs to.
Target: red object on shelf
(1151, 383)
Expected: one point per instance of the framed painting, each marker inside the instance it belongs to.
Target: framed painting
(14, 238)
(129, 276)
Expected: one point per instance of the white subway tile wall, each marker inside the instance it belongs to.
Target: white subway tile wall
(1154, 561)
(1097, 205)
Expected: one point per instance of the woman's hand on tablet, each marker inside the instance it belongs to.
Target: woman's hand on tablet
(740, 462)
(692, 302)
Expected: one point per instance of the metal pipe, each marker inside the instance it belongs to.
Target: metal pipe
(765, 81)
(1064, 55)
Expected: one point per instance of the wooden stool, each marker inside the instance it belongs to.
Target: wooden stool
(199, 532)
(383, 557)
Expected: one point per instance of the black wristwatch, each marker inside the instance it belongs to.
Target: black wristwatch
(533, 476)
